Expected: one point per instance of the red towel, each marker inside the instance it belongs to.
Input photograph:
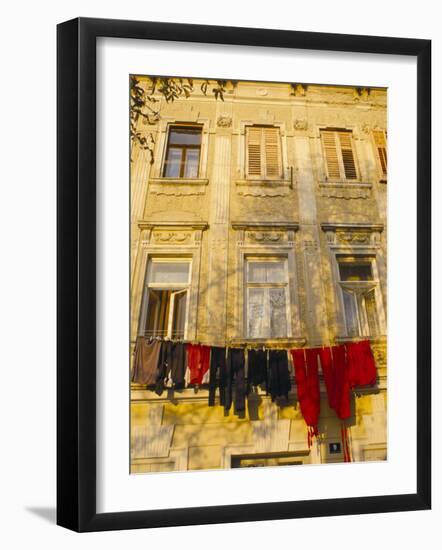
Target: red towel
(307, 382)
(328, 371)
(341, 396)
(198, 360)
(361, 364)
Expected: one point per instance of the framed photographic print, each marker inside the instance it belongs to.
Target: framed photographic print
(243, 274)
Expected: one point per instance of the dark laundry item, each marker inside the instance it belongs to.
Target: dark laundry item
(217, 374)
(145, 366)
(172, 365)
(238, 366)
(307, 382)
(198, 359)
(361, 364)
(257, 368)
(163, 366)
(177, 364)
(228, 381)
(279, 377)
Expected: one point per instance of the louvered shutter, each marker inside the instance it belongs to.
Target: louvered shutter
(347, 156)
(381, 147)
(331, 154)
(254, 139)
(263, 152)
(272, 152)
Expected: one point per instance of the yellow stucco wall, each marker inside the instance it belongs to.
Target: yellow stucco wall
(220, 218)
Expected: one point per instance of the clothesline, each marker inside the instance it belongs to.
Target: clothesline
(163, 363)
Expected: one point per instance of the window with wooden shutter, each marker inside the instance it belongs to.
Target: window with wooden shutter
(264, 152)
(380, 142)
(339, 155)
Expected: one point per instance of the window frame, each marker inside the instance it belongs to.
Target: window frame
(381, 173)
(267, 286)
(263, 160)
(338, 147)
(184, 149)
(358, 290)
(174, 288)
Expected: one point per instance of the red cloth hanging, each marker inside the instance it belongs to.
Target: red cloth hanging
(336, 376)
(329, 374)
(307, 382)
(341, 397)
(361, 364)
(198, 361)
(345, 446)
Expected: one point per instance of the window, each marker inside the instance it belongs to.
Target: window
(164, 309)
(358, 288)
(183, 152)
(380, 142)
(267, 298)
(263, 152)
(268, 459)
(339, 155)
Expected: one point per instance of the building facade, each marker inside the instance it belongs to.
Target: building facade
(260, 220)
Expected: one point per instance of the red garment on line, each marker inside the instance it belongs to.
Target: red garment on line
(336, 376)
(307, 381)
(341, 398)
(361, 364)
(329, 374)
(198, 361)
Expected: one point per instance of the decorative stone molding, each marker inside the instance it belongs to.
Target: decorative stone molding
(264, 188)
(358, 237)
(379, 353)
(152, 440)
(265, 233)
(352, 234)
(265, 236)
(267, 224)
(345, 190)
(310, 247)
(174, 237)
(362, 94)
(299, 90)
(171, 233)
(300, 124)
(178, 187)
(262, 92)
(271, 434)
(224, 121)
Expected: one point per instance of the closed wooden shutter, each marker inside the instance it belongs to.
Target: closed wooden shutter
(381, 147)
(331, 154)
(264, 152)
(254, 139)
(347, 156)
(272, 152)
(339, 156)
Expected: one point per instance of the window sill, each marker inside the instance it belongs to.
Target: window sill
(264, 182)
(264, 188)
(345, 189)
(179, 181)
(348, 339)
(277, 343)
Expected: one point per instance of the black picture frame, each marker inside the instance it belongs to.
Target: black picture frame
(76, 274)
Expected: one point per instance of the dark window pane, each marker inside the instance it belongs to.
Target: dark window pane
(355, 271)
(185, 136)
